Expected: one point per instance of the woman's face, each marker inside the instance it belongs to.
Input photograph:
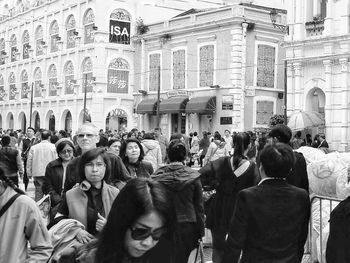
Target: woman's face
(95, 170)
(67, 153)
(115, 147)
(152, 223)
(132, 151)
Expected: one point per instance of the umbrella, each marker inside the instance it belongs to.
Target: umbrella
(304, 119)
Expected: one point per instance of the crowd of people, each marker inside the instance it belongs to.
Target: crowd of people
(136, 197)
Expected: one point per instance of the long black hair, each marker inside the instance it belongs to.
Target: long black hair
(241, 143)
(9, 183)
(138, 197)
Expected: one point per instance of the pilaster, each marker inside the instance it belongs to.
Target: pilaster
(328, 65)
(298, 89)
(344, 106)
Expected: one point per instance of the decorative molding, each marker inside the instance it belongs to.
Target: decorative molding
(267, 39)
(206, 38)
(328, 66)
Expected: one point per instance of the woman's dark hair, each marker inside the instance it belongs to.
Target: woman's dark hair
(123, 147)
(139, 197)
(282, 132)
(9, 183)
(277, 160)
(217, 136)
(149, 135)
(241, 143)
(176, 151)
(63, 144)
(131, 134)
(111, 141)
(92, 155)
(54, 138)
(195, 134)
(5, 140)
(176, 136)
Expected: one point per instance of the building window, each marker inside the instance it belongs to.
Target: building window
(54, 36)
(89, 23)
(227, 102)
(26, 46)
(2, 51)
(24, 85)
(119, 27)
(13, 89)
(87, 75)
(69, 78)
(14, 50)
(206, 65)
(154, 72)
(39, 40)
(225, 120)
(118, 76)
(264, 111)
(266, 66)
(2, 88)
(71, 32)
(53, 84)
(179, 69)
(37, 83)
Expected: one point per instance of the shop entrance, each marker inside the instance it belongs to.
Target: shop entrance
(178, 123)
(117, 120)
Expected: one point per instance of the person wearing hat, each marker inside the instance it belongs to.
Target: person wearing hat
(55, 173)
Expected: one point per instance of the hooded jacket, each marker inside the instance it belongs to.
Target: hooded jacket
(185, 185)
(153, 153)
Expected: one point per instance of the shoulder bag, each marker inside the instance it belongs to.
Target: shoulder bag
(8, 204)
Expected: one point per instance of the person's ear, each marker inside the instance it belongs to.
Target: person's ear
(97, 138)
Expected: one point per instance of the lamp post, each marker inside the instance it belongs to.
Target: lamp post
(284, 29)
(31, 105)
(158, 99)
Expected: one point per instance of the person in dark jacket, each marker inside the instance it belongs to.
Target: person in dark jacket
(132, 155)
(55, 173)
(203, 147)
(338, 244)
(298, 175)
(24, 147)
(10, 160)
(184, 185)
(270, 221)
(227, 175)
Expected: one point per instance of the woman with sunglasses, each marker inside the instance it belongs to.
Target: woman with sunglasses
(55, 173)
(91, 201)
(132, 155)
(136, 228)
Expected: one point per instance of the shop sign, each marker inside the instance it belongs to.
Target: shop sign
(177, 93)
(225, 120)
(119, 32)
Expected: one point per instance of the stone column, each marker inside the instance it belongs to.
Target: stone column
(328, 92)
(290, 89)
(298, 93)
(344, 105)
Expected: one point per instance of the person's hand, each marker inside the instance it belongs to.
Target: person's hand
(84, 237)
(100, 223)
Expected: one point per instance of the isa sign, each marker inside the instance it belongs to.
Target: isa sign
(119, 32)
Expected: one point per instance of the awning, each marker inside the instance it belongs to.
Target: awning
(201, 105)
(173, 105)
(147, 106)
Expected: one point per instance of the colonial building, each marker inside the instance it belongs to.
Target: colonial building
(318, 51)
(214, 69)
(59, 57)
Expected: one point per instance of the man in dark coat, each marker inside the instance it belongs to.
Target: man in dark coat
(270, 222)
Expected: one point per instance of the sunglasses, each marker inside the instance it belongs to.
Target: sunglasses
(88, 135)
(138, 233)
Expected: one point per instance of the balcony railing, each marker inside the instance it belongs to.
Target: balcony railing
(315, 27)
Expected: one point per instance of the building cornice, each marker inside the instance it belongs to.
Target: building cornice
(313, 41)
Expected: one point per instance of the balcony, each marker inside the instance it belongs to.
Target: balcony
(314, 27)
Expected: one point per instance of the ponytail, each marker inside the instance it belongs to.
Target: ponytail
(241, 143)
(9, 182)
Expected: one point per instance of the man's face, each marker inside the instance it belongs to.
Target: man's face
(157, 133)
(87, 138)
(30, 133)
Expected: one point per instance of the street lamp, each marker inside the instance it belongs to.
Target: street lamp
(284, 29)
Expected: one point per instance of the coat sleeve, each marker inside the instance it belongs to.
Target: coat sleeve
(237, 233)
(38, 236)
(210, 177)
(19, 164)
(199, 207)
(305, 227)
(48, 186)
(71, 175)
(159, 157)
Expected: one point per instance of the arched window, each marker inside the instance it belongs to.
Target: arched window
(70, 27)
(25, 44)
(24, 85)
(54, 36)
(89, 23)
(69, 77)
(37, 82)
(2, 51)
(12, 83)
(120, 27)
(2, 88)
(52, 80)
(118, 76)
(39, 40)
(14, 50)
(87, 75)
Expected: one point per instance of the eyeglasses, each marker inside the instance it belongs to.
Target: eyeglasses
(88, 135)
(139, 233)
(99, 165)
(66, 152)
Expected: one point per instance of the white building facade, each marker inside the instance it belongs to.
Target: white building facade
(317, 53)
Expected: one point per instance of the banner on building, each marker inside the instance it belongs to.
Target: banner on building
(119, 32)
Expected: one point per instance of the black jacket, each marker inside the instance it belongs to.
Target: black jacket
(269, 224)
(139, 169)
(53, 181)
(8, 161)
